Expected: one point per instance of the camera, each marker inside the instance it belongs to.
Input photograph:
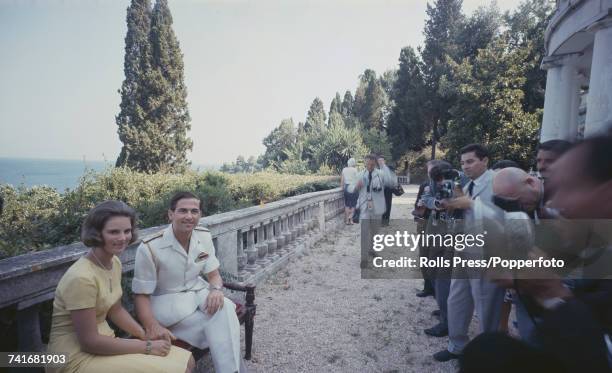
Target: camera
(377, 184)
(447, 179)
(450, 179)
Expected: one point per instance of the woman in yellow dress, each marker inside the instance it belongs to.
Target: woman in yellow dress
(90, 291)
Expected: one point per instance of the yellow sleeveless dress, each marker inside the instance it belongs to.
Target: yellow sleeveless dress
(86, 285)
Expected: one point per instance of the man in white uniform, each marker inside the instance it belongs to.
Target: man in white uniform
(172, 299)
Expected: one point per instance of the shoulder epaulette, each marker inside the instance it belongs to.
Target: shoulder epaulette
(200, 228)
(151, 238)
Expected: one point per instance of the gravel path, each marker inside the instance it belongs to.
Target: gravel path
(318, 315)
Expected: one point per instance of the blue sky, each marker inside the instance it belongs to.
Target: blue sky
(248, 65)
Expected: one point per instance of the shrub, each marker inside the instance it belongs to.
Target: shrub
(39, 217)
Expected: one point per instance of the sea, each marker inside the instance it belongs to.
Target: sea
(60, 174)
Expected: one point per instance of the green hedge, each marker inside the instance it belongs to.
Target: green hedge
(39, 217)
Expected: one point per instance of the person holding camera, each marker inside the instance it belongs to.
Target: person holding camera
(443, 180)
(371, 202)
(469, 289)
(575, 317)
(421, 215)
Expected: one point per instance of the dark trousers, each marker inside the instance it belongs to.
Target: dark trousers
(428, 277)
(388, 196)
(572, 341)
(442, 281)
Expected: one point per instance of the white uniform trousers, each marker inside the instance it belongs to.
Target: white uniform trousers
(219, 332)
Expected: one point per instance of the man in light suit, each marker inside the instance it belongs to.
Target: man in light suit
(371, 203)
(469, 288)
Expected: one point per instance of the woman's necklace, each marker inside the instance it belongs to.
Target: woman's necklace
(110, 275)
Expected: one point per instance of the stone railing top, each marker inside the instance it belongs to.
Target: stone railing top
(218, 223)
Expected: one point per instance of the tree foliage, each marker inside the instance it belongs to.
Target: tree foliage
(154, 119)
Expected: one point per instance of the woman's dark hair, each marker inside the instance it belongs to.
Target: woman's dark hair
(91, 230)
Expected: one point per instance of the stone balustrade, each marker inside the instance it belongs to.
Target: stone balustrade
(250, 244)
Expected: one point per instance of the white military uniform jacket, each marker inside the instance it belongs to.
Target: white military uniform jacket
(172, 276)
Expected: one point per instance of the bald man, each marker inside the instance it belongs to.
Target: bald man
(516, 190)
(513, 186)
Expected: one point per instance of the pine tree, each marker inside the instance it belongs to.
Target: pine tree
(370, 101)
(347, 105)
(441, 29)
(316, 118)
(406, 124)
(336, 105)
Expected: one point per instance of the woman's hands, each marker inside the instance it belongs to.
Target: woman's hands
(160, 347)
(158, 332)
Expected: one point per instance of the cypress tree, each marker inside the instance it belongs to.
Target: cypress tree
(153, 122)
(172, 114)
(131, 117)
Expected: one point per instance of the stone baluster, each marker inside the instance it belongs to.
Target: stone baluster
(278, 235)
(261, 247)
(301, 226)
(241, 255)
(271, 241)
(251, 251)
(286, 234)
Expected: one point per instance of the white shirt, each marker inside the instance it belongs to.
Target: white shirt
(349, 174)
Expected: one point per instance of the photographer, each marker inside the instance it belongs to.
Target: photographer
(469, 289)
(421, 215)
(576, 321)
(371, 203)
(443, 179)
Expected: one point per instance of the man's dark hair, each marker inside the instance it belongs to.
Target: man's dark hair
(556, 146)
(597, 157)
(184, 195)
(371, 157)
(480, 151)
(437, 171)
(91, 230)
(433, 162)
(504, 163)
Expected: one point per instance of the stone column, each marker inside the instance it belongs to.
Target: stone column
(286, 233)
(261, 247)
(278, 234)
(302, 227)
(241, 255)
(321, 216)
(251, 251)
(561, 99)
(271, 241)
(599, 100)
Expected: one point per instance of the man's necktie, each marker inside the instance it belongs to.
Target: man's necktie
(470, 188)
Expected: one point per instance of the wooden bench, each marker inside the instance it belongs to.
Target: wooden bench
(246, 315)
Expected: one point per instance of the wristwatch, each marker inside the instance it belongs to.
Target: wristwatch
(148, 347)
(212, 287)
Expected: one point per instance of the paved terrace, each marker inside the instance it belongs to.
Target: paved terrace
(318, 315)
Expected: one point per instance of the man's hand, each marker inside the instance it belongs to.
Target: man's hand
(214, 301)
(156, 331)
(459, 203)
(359, 184)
